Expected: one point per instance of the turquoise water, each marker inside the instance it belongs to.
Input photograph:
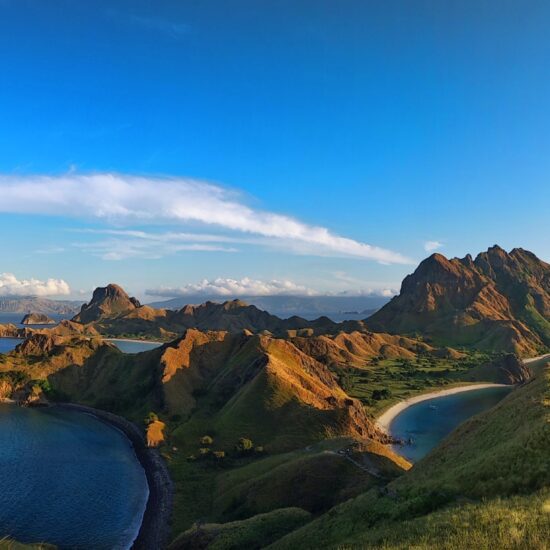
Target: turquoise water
(132, 346)
(428, 422)
(68, 479)
(8, 344)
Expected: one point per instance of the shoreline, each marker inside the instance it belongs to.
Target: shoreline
(154, 531)
(384, 421)
(134, 340)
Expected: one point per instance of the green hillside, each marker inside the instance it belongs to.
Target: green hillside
(486, 486)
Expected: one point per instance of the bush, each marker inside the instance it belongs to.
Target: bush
(378, 395)
(244, 445)
(219, 454)
(206, 440)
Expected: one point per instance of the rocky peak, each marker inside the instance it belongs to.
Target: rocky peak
(106, 302)
(498, 297)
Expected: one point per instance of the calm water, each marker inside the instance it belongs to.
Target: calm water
(131, 346)
(16, 318)
(8, 344)
(68, 479)
(430, 421)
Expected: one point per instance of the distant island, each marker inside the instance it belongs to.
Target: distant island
(37, 319)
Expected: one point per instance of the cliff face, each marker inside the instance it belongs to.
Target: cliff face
(497, 301)
(106, 302)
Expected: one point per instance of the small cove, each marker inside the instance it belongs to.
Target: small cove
(425, 424)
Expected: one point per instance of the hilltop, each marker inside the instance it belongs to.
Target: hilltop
(308, 307)
(106, 302)
(112, 312)
(499, 300)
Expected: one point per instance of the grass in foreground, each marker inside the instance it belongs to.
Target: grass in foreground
(253, 533)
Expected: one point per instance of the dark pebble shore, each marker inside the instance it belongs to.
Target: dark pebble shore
(155, 528)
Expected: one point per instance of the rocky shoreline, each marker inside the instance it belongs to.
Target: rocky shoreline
(155, 527)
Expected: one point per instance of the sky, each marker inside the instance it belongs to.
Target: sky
(275, 147)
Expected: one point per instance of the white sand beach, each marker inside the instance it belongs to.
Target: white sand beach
(385, 419)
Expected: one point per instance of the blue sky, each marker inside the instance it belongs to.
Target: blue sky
(343, 124)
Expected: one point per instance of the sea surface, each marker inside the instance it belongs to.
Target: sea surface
(8, 344)
(16, 318)
(427, 423)
(134, 346)
(68, 479)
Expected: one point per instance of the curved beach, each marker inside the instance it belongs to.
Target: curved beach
(386, 418)
(135, 340)
(154, 531)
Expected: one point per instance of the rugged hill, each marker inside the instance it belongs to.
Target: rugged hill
(106, 302)
(309, 307)
(499, 300)
(254, 385)
(357, 348)
(111, 311)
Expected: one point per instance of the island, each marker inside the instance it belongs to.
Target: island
(37, 319)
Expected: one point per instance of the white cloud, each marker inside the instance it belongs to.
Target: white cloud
(432, 246)
(246, 286)
(234, 287)
(125, 199)
(148, 249)
(11, 286)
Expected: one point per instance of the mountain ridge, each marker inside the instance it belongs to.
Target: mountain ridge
(498, 299)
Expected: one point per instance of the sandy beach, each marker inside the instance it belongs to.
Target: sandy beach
(135, 340)
(385, 419)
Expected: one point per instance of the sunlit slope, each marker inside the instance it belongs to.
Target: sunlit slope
(499, 301)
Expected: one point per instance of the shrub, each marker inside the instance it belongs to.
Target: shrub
(219, 454)
(206, 440)
(378, 395)
(244, 445)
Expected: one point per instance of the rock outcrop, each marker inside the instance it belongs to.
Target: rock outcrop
(106, 302)
(499, 300)
(37, 319)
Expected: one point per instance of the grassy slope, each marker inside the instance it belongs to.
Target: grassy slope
(253, 533)
(422, 374)
(493, 470)
(241, 395)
